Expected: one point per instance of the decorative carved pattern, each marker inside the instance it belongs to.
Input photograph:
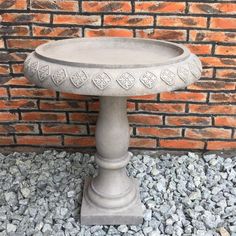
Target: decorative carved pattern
(59, 77)
(78, 78)
(33, 68)
(148, 79)
(168, 77)
(194, 70)
(197, 62)
(27, 63)
(43, 72)
(183, 73)
(101, 81)
(126, 81)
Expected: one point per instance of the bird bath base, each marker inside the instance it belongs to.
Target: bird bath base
(112, 197)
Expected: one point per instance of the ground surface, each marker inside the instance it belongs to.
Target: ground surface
(188, 194)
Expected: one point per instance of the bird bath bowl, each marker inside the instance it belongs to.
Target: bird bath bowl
(113, 69)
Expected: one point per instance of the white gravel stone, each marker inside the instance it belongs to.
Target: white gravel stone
(11, 228)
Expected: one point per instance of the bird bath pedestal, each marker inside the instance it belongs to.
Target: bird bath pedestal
(113, 69)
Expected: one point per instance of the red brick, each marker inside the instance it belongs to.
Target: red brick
(208, 133)
(13, 4)
(225, 50)
(18, 81)
(17, 68)
(4, 69)
(2, 44)
(62, 105)
(212, 85)
(187, 121)
(43, 116)
(26, 18)
(73, 96)
(25, 43)
(3, 92)
(142, 143)
(182, 21)
(212, 36)
(79, 141)
(212, 109)
(63, 129)
(183, 96)
(8, 116)
(158, 132)
(39, 140)
(15, 30)
(225, 73)
(199, 49)
(221, 145)
(229, 121)
(212, 8)
(207, 73)
(151, 97)
(162, 34)
(145, 119)
(223, 23)
(108, 32)
(181, 144)
(55, 5)
(218, 62)
(162, 107)
(32, 92)
(131, 20)
(160, 7)
(77, 20)
(18, 104)
(223, 97)
(19, 129)
(42, 31)
(6, 140)
(108, 6)
(83, 117)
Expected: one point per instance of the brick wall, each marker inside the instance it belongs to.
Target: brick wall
(203, 116)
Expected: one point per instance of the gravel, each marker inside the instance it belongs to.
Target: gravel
(187, 194)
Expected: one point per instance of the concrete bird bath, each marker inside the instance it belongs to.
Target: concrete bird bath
(113, 69)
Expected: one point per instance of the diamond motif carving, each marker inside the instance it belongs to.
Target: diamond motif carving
(148, 79)
(168, 77)
(183, 73)
(194, 70)
(33, 68)
(101, 81)
(78, 78)
(126, 81)
(43, 72)
(59, 77)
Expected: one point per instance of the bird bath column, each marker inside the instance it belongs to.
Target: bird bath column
(112, 197)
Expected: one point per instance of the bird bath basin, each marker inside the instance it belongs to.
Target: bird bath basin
(113, 69)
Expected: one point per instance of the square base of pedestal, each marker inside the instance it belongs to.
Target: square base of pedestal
(91, 215)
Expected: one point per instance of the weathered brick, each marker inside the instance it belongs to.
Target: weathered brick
(43, 116)
(19, 129)
(13, 4)
(212, 8)
(17, 68)
(18, 104)
(4, 69)
(199, 49)
(181, 144)
(145, 119)
(72, 96)
(39, 140)
(77, 20)
(221, 145)
(79, 141)
(8, 116)
(159, 132)
(6, 140)
(162, 34)
(207, 73)
(131, 20)
(187, 121)
(225, 50)
(142, 143)
(159, 7)
(212, 36)
(208, 133)
(183, 96)
(32, 93)
(106, 6)
(55, 5)
(212, 85)
(223, 23)
(226, 74)
(63, 129)
(108, 32)
(229, 121)
(25, 43)
(14, 31)
(223, 97)
(62, 105)
(182, 21)
(3, 93)
(83, 118)
(24, 18)
(42, 31)
(218, 62)
(19, 81)
(162, 107)
(150, 97)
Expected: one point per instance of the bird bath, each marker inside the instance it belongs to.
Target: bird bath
(113, 69)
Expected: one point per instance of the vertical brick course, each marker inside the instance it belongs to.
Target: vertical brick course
(200, 117)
